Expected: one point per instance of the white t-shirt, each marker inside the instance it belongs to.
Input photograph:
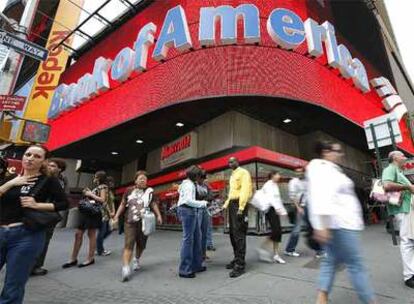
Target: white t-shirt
(331, 197)
(297, 188)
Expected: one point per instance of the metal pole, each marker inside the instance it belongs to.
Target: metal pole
(377, 151)
(391, 217)
(9, 78)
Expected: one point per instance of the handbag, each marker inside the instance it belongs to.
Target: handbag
(379, 194)
(38, 219)
(260, 201)
(149, 223)
(89, 207)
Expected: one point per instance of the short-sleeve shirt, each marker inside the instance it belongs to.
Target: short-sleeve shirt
(393, 174)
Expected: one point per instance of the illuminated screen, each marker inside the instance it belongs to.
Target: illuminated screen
(35, 132)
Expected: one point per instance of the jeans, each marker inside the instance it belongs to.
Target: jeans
(205, 226)
(19, 248)
(345, 248)
(302, 219)
(103, 233)
(209, 235)
(40, 261)
(238, 231)
(295, 234)
(191, 257)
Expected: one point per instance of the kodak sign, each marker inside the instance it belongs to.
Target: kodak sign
(48, 74)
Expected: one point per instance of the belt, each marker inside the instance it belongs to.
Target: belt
(12, 225)
(186, 206)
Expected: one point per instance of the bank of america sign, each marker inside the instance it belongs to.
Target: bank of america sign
(286, 29)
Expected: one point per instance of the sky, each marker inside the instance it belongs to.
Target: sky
(401, 14)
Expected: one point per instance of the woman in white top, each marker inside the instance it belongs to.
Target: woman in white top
(336, 216)
(275, 208)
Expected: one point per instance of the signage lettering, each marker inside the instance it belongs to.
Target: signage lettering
(285, 28)
(229, 16)
(182, 149)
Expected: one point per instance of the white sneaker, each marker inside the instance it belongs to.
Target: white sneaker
(292, 254)
(321, 255)
(106, 252)
(126, 273)
(264, 255)
(278, 259)
(135, 264)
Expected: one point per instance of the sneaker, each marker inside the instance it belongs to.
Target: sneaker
(321, 255)
(292, 254)
(136, 265)
(264, 255)
(278, 259)
(106, 252)
(211, 248)
(126, 273)
(39, 272)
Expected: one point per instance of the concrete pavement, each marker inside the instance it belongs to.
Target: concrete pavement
(157, 282)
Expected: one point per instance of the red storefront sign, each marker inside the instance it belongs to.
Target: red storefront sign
(204, 73)
(183, 149)
(12, 103)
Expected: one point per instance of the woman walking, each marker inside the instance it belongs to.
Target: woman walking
(108, 213)
(191, 257)
(336, 217)
(88, 222)
(269, 251)
(20, 244)
(133, 203)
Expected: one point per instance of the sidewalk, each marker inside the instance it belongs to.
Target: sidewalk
(158, 282)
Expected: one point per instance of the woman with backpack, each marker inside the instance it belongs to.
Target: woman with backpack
(89, 221)
(134, 202)
(23, 199)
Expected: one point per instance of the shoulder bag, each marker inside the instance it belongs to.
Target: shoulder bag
(89, 207)
(379, 194)
(38, 219)
(149, 222)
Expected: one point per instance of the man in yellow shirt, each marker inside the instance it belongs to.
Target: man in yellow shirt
(240, 193)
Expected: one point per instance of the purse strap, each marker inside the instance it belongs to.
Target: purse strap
(35, 190)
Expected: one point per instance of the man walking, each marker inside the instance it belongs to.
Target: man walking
(55, 166)
(239, 194)
(395, 180)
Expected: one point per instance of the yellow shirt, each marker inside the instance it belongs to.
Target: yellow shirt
(240, 188)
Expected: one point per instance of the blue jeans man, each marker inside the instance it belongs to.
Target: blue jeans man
(19, 249)
(301, 219)
(191, 257)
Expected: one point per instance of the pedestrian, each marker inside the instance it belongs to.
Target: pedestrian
(203, 193)
(189, 208)
(297, 194)
(240, 193)
(269, 250)
(134, 202)
(20, 244)
(56, 166)
(336, 216)
(108, 213)
(394, 180)
(88, 222)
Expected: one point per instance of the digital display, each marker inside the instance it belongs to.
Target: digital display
(35, 132)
